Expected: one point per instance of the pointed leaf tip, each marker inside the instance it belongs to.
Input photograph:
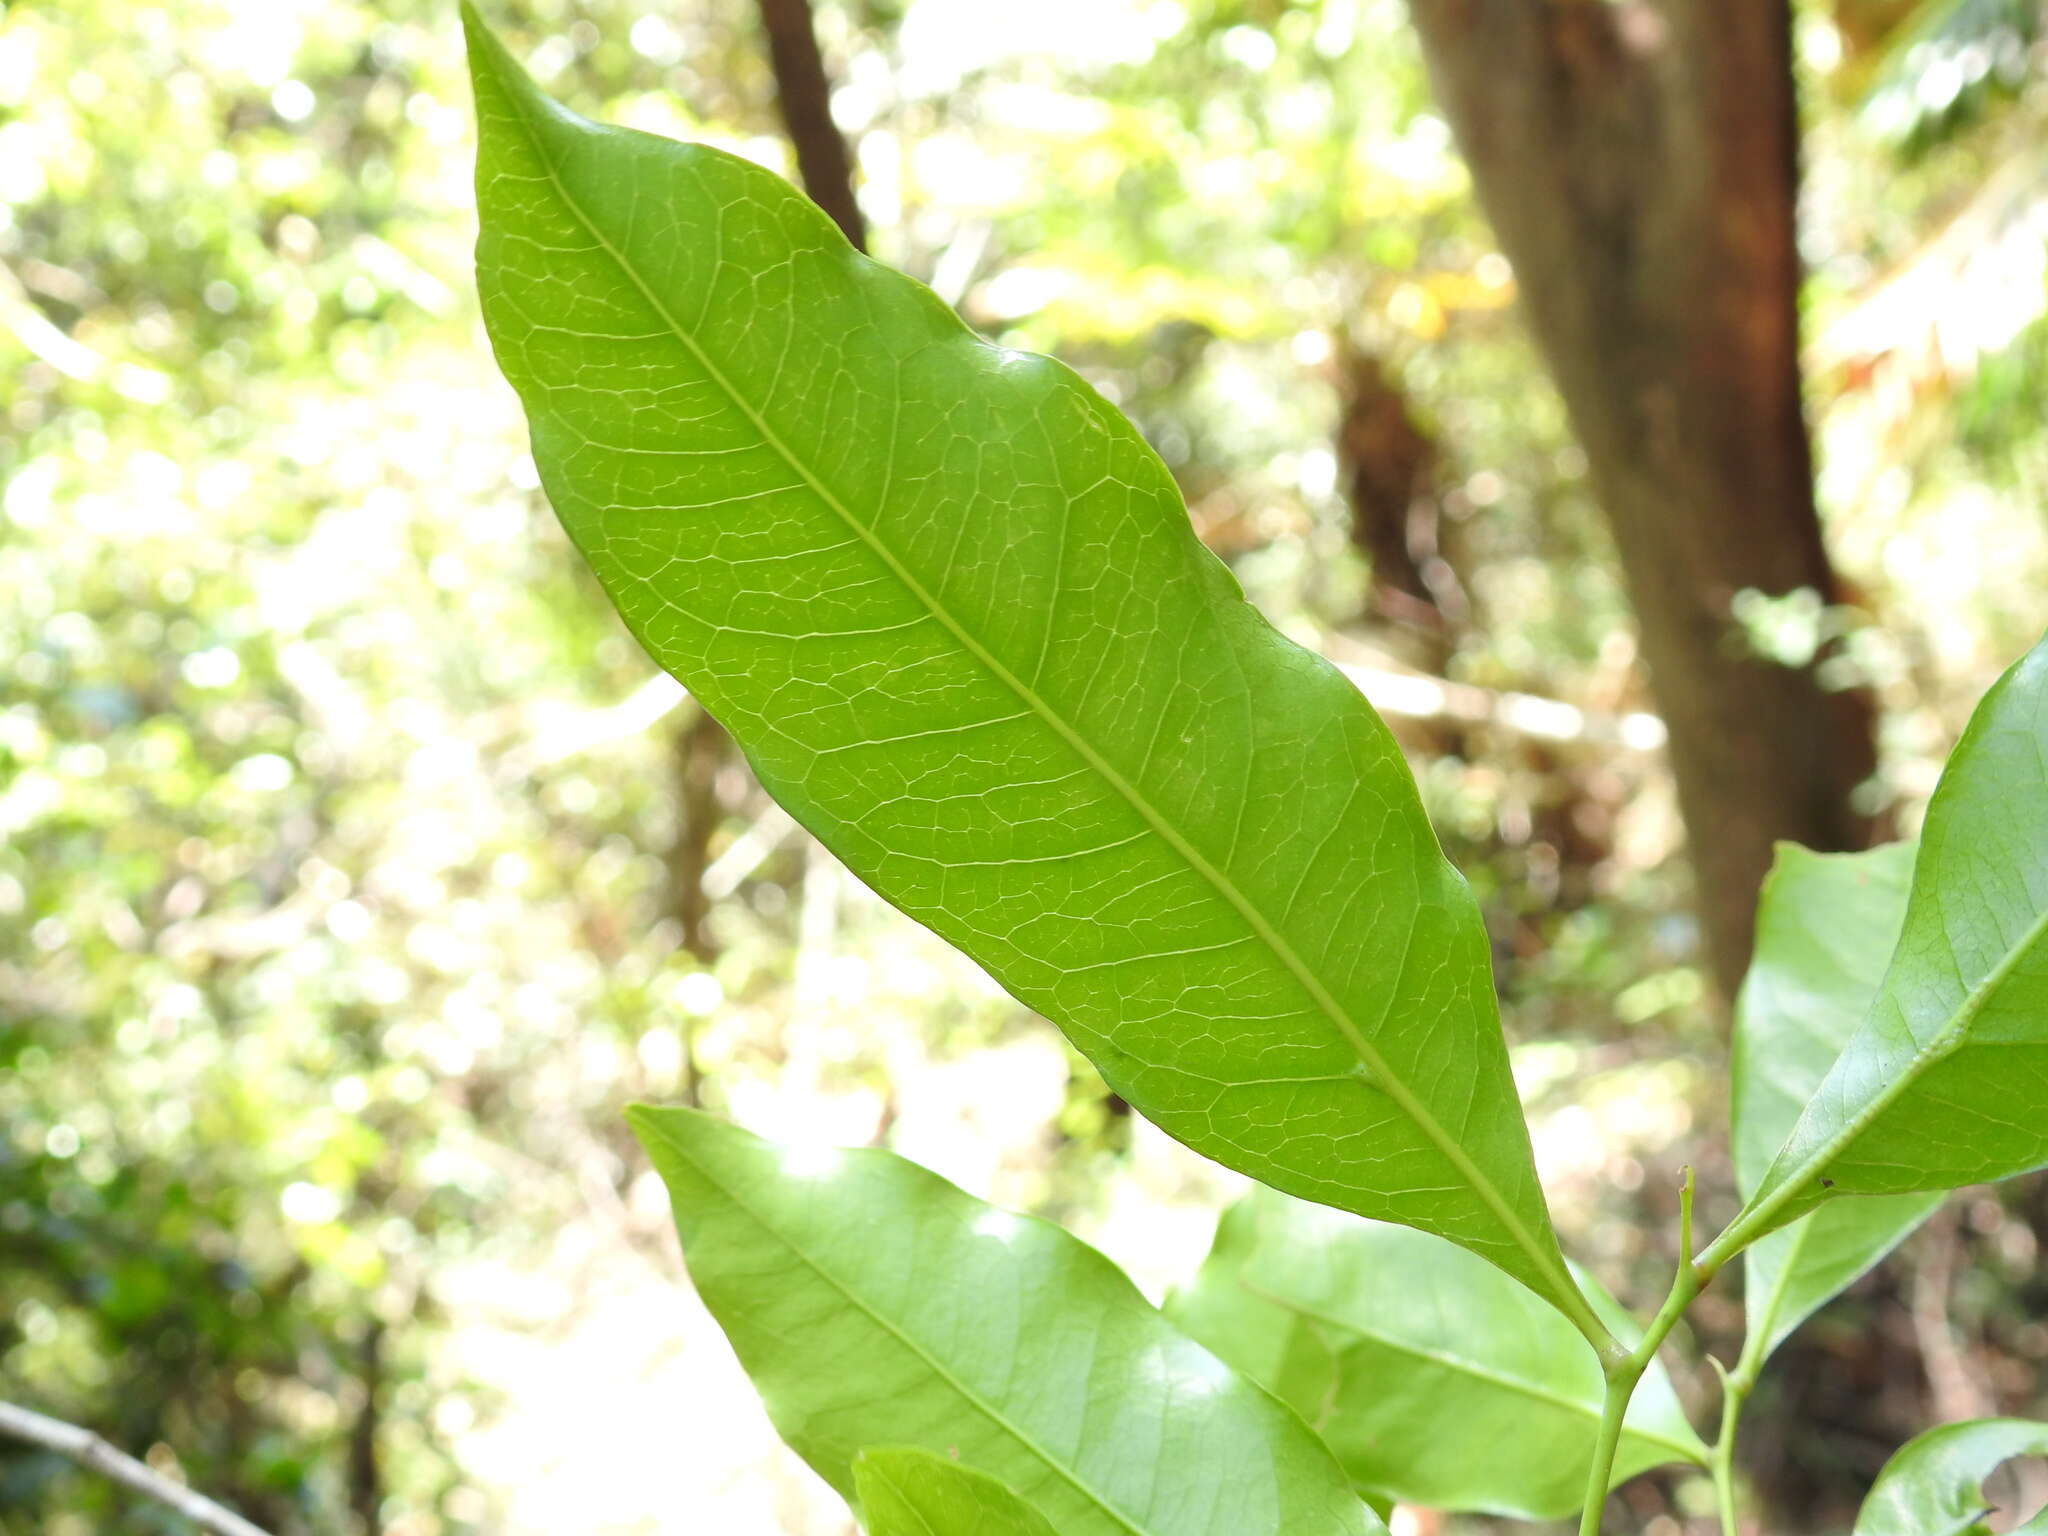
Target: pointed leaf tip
(475, 34)
(491, 62)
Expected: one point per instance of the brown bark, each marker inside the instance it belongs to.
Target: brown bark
(1388, 464)
(1638, 161)
(805, 98)
(365, 1475)
(702, 749)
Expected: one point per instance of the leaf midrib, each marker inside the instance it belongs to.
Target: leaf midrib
(1389, 1082)
(904, 1501)
(1947, 1040)
(938, 1367)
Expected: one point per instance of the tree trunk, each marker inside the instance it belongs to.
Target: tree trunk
(1638, 160)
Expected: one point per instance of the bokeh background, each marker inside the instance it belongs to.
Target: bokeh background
(356, 867)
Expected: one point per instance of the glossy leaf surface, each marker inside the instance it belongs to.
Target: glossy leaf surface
(1934, 1485)
(873, 1303)
(1946, 1081)
(1826, 926)
(951, 605)
(1434, 1378)
(905, 1492)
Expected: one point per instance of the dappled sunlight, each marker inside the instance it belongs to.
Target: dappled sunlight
(358, 867)
(623, 1411)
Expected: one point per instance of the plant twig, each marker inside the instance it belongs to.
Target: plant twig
(1624, 1373)
(804, 94)
(97, 1455)
(1621, 1386)
(1735, 1387)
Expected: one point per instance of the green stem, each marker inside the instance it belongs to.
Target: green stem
(1736, 1386)
(1745, 1229)
(1623, 1374)
(1621, 1385)
(1721, 1461)
(1724, 1493)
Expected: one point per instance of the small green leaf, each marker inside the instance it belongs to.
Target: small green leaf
(1934, 1486)
(1826, 924)
(873, 1303)
(1434, 1378)
(951, 605)
(907, 1492)
(1946, 1081)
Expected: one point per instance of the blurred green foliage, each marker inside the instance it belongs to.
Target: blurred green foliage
(338, 892)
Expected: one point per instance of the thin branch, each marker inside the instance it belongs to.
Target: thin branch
(699, 754)
(1625, 1372)
(97, 1455)
(805, 96)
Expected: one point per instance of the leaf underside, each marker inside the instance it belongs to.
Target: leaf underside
(872, 1303)
(1826, 925)
(1934, 1485)
(1946, 1081)
(1434, 1379)
(951, 606)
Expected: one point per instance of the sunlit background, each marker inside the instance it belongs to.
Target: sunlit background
(358, 868)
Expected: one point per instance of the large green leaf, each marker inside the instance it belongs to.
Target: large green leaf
(1934, 1485)
(907, 1492)
(873, 1303)
(952, 607)
(1434, 1378)
(1946, 1081)
(1826, 925)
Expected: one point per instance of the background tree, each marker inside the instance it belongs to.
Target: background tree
(1638, 162)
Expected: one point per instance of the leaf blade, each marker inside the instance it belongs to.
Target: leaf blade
(1434, 1379)
(1826, 924)
(872, 1302)
(995, 672)
(1958, 1033)
(1933, 1486)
